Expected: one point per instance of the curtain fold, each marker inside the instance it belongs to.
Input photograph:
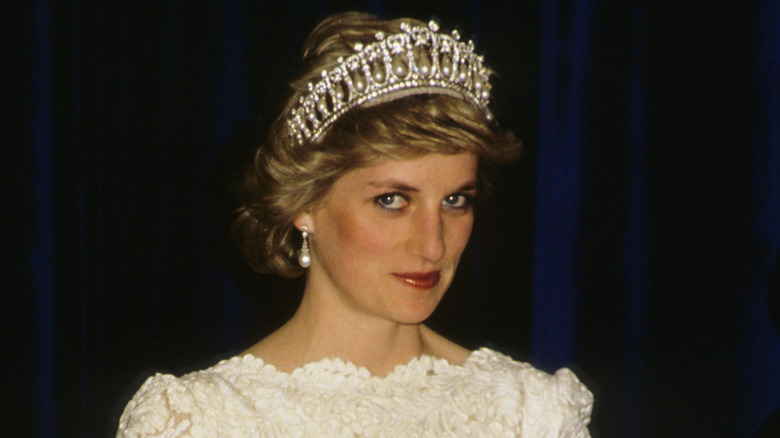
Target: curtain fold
(42, 245)
(566, 38)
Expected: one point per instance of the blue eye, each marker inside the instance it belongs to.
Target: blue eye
(391, 201)
(458, 200)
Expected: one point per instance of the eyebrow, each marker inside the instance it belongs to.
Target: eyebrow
(398, 185)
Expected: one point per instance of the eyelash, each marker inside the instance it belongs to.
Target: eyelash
(392, 197)
(466, 199)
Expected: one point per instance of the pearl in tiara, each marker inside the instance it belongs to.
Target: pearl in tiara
(417, 60)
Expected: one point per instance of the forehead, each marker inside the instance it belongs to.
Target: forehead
(456, 169)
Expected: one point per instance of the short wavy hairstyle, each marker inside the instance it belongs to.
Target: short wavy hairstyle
(287, 179)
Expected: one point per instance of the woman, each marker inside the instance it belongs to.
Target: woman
(366, 185)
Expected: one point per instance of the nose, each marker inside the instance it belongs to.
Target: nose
(426, 238)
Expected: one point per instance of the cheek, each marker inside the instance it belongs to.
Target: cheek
(361, 235)
(460, 232)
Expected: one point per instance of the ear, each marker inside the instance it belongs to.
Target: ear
(304, 219)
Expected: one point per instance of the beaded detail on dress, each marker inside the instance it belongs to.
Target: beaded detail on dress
(488, 395)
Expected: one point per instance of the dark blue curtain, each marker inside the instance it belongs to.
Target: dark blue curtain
(636, 242)
(657, 211)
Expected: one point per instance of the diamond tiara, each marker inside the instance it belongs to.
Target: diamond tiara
(417, 60)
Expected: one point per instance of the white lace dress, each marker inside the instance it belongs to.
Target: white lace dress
(489, 395)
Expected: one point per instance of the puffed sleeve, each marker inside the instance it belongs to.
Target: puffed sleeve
(162, 407)
(556, 406)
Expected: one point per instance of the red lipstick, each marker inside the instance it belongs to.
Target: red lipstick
(419, 280)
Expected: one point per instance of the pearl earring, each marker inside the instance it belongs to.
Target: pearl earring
(304, 258)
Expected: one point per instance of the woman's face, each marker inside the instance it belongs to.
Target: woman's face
(386, 239)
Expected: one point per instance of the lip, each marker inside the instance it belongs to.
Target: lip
(419, 280)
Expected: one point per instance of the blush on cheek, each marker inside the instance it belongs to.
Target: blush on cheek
(359, 234)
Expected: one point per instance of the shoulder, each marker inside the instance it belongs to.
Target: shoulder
(550, 404)
(166, 405)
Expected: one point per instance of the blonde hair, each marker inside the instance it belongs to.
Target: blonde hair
(286, 179)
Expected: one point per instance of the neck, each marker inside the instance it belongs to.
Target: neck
(370, 342)
(323, 329)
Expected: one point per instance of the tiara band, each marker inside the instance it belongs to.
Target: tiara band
(417, 60)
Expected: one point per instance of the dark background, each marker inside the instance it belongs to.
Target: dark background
(633, 242)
